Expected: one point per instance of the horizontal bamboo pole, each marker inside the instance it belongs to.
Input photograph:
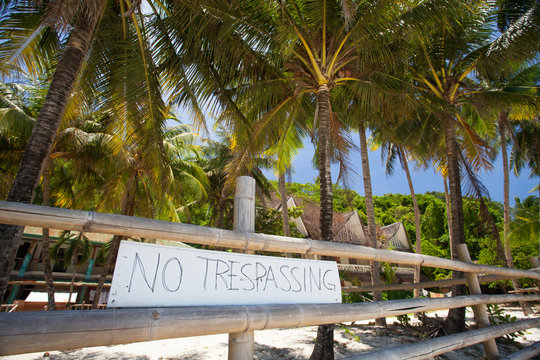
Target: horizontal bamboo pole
(422, 285)
(89, 221)
(56, 283)
(430, 348)
(527, 353)
(25, 332)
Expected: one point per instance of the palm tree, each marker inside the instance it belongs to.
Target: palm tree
(526, 147)
(522, 81)
(117, 74)
(78, 252)
(290, 58)
(370, 212)
(284, 208)
(442, 64)
(16, 122)
(526, 224)
(45, 253)
(391, 151)
(18, 119)
(47, 123)
(189, 183)
(137, 184)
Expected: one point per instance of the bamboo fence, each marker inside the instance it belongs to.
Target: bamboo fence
(64, 330)
(89, 221)
(23, 332)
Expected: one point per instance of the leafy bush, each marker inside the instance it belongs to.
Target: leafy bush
(497, 316)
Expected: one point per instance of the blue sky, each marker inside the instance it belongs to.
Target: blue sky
(423, 180)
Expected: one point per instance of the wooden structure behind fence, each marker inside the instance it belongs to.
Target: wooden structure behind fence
(64, 330)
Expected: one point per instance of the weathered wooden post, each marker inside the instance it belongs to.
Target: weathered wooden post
(480, 311)
(244, 204)
(241, 344)
(535, 264)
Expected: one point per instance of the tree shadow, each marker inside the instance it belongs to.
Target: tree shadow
(191, 356)
(96, 355)
(265, 352)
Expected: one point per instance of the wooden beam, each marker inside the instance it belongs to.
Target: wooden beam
(422, 285)
(88, 221)
(25, 332)
(56, 283)
(429, 348)
(526, 353)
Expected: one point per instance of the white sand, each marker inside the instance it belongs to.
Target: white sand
(279, 344)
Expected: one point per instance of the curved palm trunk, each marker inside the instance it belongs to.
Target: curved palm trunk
(45, 255)
(74, 268)
(455, 322)
(448, 214)
(41, 142)
(537, 149)
(221, 210)
(506, 192)
(370, 212)
(324, 344)
(403, 160)
(284, 209)
(503, 118)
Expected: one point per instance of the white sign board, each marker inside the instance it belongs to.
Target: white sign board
(156, 275)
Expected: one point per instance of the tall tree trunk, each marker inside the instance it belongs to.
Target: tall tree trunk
(506, 186)
(45, 129)
(74, 268)
(370, 212)
(260, 195)
(128, 208)
(404, 164)
(221, 210)
(284, 208)
(448, 213)
(537, 149)
(503, 119)
(455, 322)
(324, 344)
(45, 255)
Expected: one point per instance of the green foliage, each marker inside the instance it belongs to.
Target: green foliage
(524, 230)
(497, 316)
(308, 191)
(439, 248)
(352, 335)
(397, 294)
(404, 320)
(270, 221)
(78, 251)
(488, 251)
(433, 224)
(435, 239)
(355, 297)
(389, 273)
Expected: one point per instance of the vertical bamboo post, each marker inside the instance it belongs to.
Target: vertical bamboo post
(244, 204)
(480, 311)
(241, 344)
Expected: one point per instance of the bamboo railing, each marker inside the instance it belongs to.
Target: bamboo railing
(441, 345)
(23, 332)
(89, 221)
(64, 330)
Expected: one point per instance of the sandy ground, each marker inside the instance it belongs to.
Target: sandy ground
(282, 344)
